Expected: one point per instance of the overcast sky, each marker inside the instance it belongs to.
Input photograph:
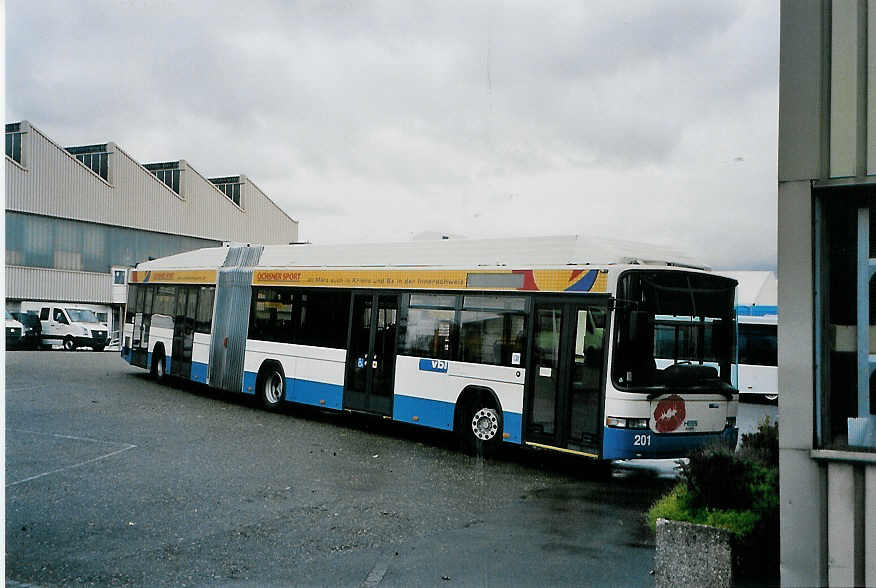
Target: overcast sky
(377, 121)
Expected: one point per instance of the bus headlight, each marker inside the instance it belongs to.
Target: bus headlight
(626, 423)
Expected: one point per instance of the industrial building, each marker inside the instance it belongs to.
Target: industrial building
(826, 261)
(78, 217)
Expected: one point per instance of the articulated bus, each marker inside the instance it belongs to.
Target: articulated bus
(604, 355)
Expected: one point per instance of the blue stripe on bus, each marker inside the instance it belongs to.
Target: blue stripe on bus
(429, 413)
(439, 415)
(249, 383)
(199, 372)
(302, 391)
(644, 443)
(585, 282)
(309, 392)
(757, 310)
(513, 425)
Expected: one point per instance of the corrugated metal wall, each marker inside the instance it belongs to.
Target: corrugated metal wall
(31, 283)
(53, 183)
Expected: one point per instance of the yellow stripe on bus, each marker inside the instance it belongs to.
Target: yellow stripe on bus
(531, 280)
(552, 448)
(438, 279)
(172, 277)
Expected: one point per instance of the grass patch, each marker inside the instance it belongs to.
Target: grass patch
(679, 505)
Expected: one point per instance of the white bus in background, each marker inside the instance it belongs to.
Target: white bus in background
(757, 316)
(758, 357)
(71, 325)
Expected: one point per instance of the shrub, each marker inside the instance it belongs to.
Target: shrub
(737, 491)
(763, 445)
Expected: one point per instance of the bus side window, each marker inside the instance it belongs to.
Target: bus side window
(59, 317)
(205, 309)
(44, 314)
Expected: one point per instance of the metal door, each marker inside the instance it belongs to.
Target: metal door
(565, 390)
(184, 331)
(371, 353)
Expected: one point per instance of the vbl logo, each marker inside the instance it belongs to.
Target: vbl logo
(433, 365)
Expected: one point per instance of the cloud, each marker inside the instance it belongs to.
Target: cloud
(376, 120)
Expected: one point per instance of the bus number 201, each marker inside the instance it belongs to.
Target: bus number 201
(641, 440)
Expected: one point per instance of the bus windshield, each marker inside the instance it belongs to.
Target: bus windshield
(674, 330)
(80, 315)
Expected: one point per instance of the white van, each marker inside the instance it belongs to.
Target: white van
(69, 325)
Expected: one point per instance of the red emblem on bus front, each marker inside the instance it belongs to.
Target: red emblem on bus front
(669, 414)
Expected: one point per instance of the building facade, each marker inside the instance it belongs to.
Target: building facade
(827, 311)
(78, 217)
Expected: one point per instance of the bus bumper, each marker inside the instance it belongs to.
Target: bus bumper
(646, 444)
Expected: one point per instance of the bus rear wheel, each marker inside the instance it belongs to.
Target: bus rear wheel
(480, 428)
(157, 369)
(271, 387)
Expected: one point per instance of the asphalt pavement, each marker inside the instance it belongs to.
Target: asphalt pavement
(114, 479)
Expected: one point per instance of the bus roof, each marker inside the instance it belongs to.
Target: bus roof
(556, 251)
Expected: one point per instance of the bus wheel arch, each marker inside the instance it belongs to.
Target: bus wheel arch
(157, 369)
(478, 420)
(271, 385)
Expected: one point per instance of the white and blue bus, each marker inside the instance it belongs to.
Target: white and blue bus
(757, 315)
(495, 344)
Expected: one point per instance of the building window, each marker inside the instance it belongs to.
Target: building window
(168, 172)
(94, 157)
(119, 277)
(846, 315)
(14, 137)
(230, 186)
(41, 241)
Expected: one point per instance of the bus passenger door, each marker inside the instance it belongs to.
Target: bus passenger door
(371, 353)
(565, 388)
(183, 331)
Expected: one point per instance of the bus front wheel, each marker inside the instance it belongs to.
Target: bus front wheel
(69, 344)
(272, 387)
(481, 428)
